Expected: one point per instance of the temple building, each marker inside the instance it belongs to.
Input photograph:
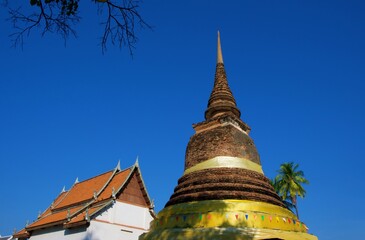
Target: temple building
(114, 205)
(223, 193)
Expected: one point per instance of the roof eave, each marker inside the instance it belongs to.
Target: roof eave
(52, 224)
(75, 224)
(22, 234)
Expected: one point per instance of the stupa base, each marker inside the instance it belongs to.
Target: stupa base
(224, 234)
(226, 219)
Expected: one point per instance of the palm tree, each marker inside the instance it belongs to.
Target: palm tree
(288, 183)
(287, 200)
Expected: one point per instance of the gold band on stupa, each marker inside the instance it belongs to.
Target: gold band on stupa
(194, 220)
(225, 161)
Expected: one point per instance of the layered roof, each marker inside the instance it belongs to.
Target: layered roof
(86, 199)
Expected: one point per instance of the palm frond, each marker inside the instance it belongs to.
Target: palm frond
(289, 184)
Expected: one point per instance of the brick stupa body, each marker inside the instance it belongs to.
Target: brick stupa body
(223, 193)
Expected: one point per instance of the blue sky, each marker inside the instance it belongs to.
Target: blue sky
(296, 69)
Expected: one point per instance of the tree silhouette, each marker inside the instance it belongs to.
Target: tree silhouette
(120, 18)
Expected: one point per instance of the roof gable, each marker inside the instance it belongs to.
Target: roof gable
(85, 199)
(115, 184)
(134, 191)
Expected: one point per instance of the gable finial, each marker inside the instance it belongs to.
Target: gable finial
(63, 189)
(87, 216)
(76, 181)
(113, 193)
(136, 163)
(219, 50)
(118, 165)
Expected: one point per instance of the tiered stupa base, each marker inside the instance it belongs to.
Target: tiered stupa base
(224, 183)
(227, 219)
(223, 193)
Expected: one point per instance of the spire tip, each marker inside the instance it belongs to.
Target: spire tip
(219, 50)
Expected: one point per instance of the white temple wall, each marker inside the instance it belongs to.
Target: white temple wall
(127, 214)
(119, 221)
(54, 233)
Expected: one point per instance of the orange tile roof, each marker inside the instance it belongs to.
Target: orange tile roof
(116, 183)
(54, 217)
(70, 207)
(91, 211)
(55, 202)
(22, 233)
(83, 191)
(59, 198)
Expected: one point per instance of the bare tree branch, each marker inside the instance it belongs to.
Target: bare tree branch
(60, 17)
(49, 17)
(119, 26)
